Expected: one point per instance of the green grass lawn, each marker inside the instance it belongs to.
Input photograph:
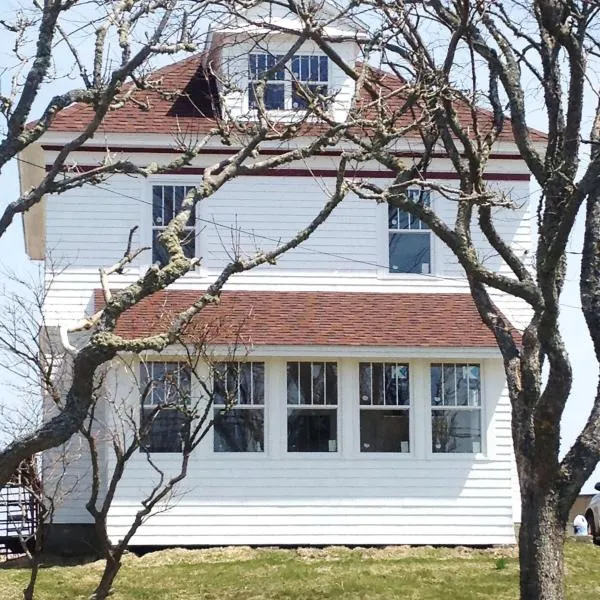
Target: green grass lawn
(311, 574)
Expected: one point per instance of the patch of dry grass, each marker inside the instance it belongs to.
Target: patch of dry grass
(243, 573)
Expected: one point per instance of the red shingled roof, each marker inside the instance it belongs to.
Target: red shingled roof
(193, 100)
(316, 318)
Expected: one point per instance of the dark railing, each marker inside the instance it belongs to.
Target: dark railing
(20, 510)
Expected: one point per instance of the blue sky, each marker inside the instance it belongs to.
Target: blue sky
(13, 257)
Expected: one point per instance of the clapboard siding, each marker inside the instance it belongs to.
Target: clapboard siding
(276, 498)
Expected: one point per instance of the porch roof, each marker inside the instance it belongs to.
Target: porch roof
(258, 318)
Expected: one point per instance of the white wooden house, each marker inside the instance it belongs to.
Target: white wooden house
(373, 405)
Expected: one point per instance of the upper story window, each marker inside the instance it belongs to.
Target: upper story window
(384, 407)
(312, 398)
(168, 386)
(239, 407)
(166, 203)
(284, 86)
(456, 408)
(409, 238)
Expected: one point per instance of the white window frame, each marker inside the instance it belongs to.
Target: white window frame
(148, 403)
(383, 245)
(146, 216)
(238, 406)
(483, 450)
(287, 81)
(338, 406)
(408, 408)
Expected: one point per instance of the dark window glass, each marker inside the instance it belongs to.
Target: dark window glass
(384, 430)
(410, 252)
(166, 203)
(239, 430)
(456, 431)
(239, 427)
(312, 384)
(312, 430)
(164, 417)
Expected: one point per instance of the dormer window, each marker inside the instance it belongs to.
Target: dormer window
(284, 86)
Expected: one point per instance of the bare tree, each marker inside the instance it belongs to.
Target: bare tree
(465, 55)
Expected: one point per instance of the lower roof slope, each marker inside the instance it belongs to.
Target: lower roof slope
(315, 318)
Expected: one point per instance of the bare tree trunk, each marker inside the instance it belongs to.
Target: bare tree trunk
(111, 570)
(541, 541)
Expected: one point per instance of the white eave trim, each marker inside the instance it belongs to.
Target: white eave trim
(321, 351)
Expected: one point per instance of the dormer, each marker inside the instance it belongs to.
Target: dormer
(242, 49)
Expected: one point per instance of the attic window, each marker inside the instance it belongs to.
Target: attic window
(287, 87)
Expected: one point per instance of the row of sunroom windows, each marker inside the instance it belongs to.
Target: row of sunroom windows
(312, 403)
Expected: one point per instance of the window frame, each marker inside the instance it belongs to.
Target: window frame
(288, 81)
(483, 452)
(408, 408)
(420, 231)
(284, 434)
(143, 406)
(251, 406)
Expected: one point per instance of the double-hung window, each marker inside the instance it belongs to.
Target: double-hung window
(290, 86)
(166, 203)
(164, 414)
(239, 407)
(384, 407)
(409, 238)
(456, 408)
(312, 399)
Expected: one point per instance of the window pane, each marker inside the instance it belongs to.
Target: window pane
(403, 385)
(456, 431)
(314, 68)
(318, 383)
(188, 242)
(312, 430)
(245, 383)
(364, 377)
(384, 430)
(293, 389)
(378, 395)
(157, 206)
(331, 389)
(304, 68)
(323, 74)
(305, 383)
(462, 387)
(410, 253)
(159, 255)
(219, 393)
(168, 204)
(436, 384)
(166, 430)
(390, 384)
(240, 430)
(274, 96)
(449, 394)
(474, 385)
(258, 383)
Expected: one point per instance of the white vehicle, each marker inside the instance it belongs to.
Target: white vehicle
(592, 514)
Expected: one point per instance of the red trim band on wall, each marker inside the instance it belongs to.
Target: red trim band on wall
(329, 173)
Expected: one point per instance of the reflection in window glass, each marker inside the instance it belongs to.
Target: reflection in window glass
(238, 397)
(456, 407)
(384, 407)
(312, 406)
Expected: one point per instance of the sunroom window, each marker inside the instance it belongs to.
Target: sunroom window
(164, 414)
(384, 407)
(289, 86)
(456, 408)
(166, 203)
(409, 238)
(312, 398)
(239, 407)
